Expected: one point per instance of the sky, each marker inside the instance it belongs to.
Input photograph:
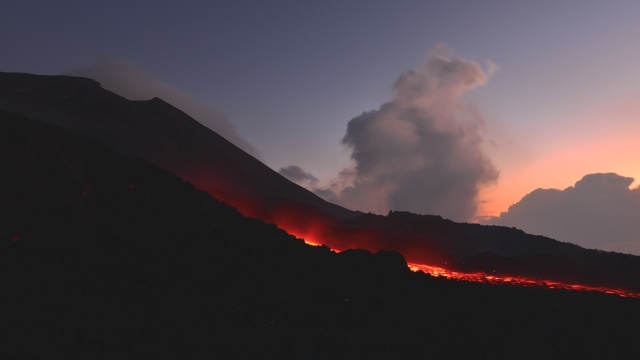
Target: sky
(338, 94)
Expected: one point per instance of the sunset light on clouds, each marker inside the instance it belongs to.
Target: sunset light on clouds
(605, 140)
(287, 179)
(556, 97)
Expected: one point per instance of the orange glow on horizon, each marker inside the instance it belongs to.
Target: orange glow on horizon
(560, 169)
(600, 140)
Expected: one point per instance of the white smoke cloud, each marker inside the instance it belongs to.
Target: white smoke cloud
(600, 211)
(422, 150)
(127, 79)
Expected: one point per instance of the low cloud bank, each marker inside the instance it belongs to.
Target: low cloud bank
(600, 211)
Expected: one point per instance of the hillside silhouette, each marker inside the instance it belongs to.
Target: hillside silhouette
(104, 256)
(159, 132)
(156, 131)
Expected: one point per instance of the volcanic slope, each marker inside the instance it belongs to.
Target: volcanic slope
(156, 131)
(159, 132)
(105, 256)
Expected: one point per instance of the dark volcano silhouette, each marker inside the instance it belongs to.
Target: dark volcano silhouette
(103, 256)
(156, 131)
(159, 132)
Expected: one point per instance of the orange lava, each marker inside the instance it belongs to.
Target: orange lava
(312, 243)
(514, 280)
(301, 224)
(502, 280)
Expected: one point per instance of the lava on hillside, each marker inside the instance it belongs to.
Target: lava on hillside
(515, 280)
(481, 277)
(439, 247)
(312, 239)
(180, 144)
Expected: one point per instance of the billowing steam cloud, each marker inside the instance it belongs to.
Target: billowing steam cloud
(600, 211)
(297, 175)
(129, 80)
(421, 151)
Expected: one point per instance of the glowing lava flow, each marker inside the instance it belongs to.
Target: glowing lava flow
(503, 280)
(308, 234)
(514, 280)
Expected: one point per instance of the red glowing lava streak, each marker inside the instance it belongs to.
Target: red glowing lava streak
(304, 226)
(503, 280)
(514, 280)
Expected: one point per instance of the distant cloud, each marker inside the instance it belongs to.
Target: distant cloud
(421, 151)
(600, 211)
(127, 79)
(297, 175)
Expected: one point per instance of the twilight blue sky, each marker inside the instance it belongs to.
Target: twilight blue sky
(290, 75)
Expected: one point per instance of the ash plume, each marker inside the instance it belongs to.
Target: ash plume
(422, 150)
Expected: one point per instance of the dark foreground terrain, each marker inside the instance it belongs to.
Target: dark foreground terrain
(156, 131)
(108, 257)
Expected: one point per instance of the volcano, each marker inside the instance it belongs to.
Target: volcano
(156, 131)
(106, 256)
